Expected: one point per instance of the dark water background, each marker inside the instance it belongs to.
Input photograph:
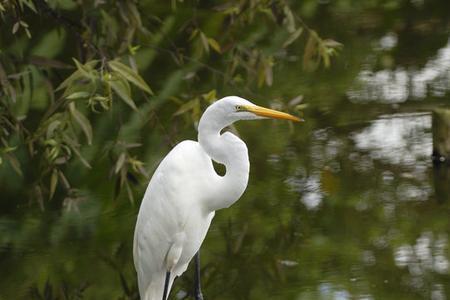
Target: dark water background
(347, 205)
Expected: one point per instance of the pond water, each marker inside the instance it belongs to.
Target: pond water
(347, 205)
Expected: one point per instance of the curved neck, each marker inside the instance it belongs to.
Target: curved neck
(230, 151)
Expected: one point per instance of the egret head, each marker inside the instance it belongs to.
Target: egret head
(224, 112)
(235, 108)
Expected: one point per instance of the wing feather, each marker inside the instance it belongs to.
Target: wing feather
(171, 202)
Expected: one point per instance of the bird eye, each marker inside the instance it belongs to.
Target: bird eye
(238, 107)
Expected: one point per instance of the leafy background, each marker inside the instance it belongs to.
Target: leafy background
(95, 93)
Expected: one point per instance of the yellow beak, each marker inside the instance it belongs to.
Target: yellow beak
(270, 113)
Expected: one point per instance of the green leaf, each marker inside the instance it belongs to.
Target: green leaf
(53, 183)
(30, 5)
(69, 80)
(82, 121)
(50, 142)
(325, 58)
(130, 75)
(64, 180)
(204, 40)
(51, 128)
(211, 96)
(293, 37)
(129, 192)
(78, 95)
(24, 25)
(76, 75)
(74, 146)
(42, 61)
(15, 164)
(268, 74)
(84, 70)
(28, 33)
(215, 45)
(289, 20)
(193, 34)
(15, 27)
(8, 149)
(332, 44)
(122, 89)
(119, 163)
(186, 107)
(310, 52)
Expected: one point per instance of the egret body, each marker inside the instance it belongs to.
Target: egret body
(185, 191)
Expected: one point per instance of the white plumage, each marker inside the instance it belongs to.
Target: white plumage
(185, 191)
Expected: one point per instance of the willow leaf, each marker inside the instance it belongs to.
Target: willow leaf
(82, 121)
(53, 183)
(15, 164)
(119, 163)
(204, 41)
(74, 146)
(122, 89)
(293, 37)
(78, 95)
(76, 75)
(82, 68)
(130, 75)
(215, 45)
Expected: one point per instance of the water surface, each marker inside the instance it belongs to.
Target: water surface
(347, 205)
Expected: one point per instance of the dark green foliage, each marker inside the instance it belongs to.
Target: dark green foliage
(380, 228)
(65, 66)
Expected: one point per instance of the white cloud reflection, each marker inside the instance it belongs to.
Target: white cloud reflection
(395, 86)
(388, 41)
(397, 139)
(427, 254)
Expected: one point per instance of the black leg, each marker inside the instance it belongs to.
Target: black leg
(166, 285)
(198, 289)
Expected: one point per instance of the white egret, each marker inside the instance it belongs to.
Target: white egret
(184, 193)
